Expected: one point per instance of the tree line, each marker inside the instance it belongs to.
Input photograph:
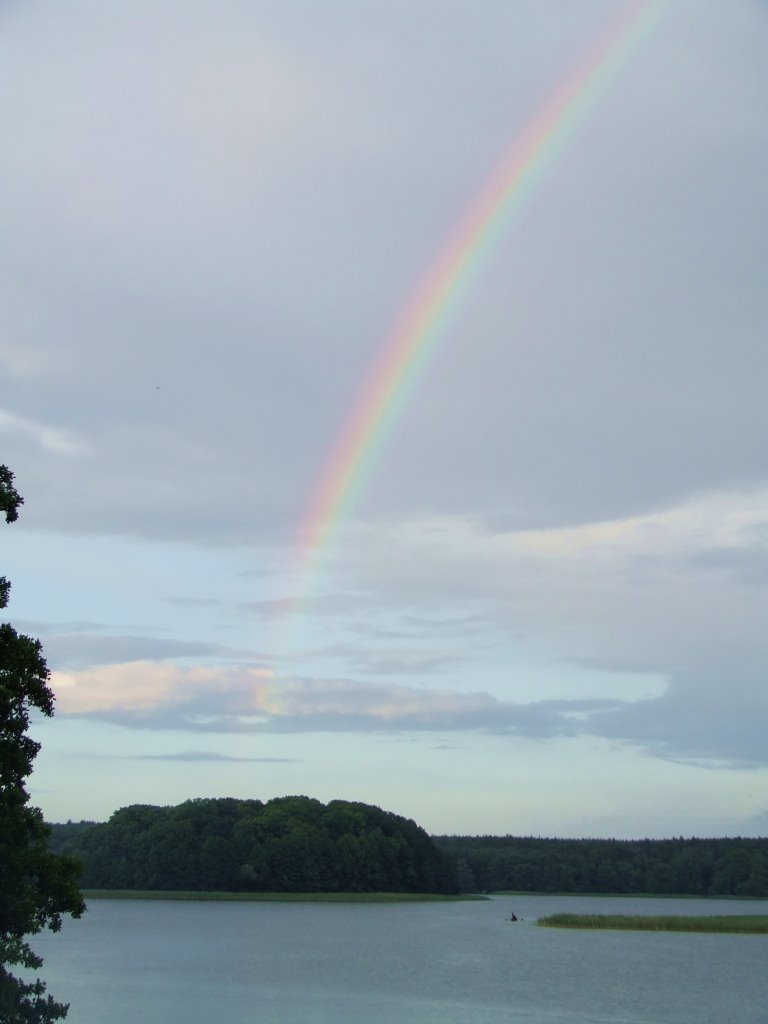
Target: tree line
(288, 844)
(297, 844)
(695, 867)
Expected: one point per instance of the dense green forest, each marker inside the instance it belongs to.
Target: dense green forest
(297, 844)
(699, 867)
(289, 844)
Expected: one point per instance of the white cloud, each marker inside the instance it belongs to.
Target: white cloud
(53, 439)
(135, 687)
(146, 694)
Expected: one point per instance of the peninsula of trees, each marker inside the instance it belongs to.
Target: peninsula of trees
(289, 844)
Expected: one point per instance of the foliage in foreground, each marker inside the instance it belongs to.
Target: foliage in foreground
(289, 844)
(755, 924)
(36, 885)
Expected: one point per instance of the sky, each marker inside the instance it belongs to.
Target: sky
(543, 610)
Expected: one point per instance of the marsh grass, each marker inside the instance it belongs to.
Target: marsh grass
(753, 924)
(274, 897)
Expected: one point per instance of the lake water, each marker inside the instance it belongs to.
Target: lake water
(431, 963)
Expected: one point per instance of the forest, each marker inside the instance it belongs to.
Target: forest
(289, 844)
(298, 844)
(695, 867)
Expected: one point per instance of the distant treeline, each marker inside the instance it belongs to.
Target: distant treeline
(297, 844)
(697, 867)
(289, 844)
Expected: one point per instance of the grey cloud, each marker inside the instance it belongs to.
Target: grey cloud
(263, 572)
(389, 660)
(712, 716)
(77, 650)
(211, 756)
(532, 721)
(451, 624)
(48, 629)
(220, 272)
(268, 608)
(321, 604)
(399, 664)
(194, 602)
(748, 566)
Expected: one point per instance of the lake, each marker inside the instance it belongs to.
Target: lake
(423, 963)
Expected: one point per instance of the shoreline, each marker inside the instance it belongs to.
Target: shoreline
(277, 897)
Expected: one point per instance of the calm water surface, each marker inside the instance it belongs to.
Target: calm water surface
(443, 963)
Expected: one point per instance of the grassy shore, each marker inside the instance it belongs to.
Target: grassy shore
(274, 897)
(754, 924)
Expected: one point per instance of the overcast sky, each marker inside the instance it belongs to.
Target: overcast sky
(546, 612)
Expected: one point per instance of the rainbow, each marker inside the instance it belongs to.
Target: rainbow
(402, 357)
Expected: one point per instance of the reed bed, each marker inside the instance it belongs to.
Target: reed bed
(751, 924)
